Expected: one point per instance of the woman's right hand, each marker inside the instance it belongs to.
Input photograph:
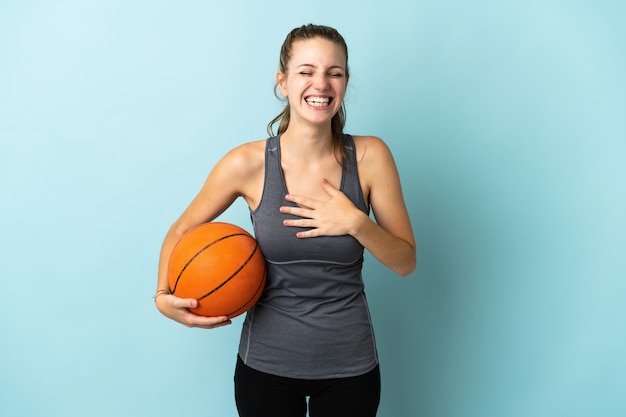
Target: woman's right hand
(177, 309)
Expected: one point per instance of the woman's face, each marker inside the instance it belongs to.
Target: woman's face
(315, 81)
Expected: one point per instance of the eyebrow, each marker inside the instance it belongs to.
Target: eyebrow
(313, 66)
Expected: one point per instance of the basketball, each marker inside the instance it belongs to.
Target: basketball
(221, 266)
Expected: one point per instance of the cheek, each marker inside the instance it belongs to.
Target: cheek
(340, 89)
(290, 87)
(340, 84)
(292, 101)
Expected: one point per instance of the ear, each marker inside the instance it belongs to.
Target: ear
(281, 82)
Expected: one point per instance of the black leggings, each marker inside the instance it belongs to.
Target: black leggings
(263, 395)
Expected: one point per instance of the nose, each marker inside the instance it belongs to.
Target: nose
(320, 82)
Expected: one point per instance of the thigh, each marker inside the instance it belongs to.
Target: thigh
(348, 397)
(258, 394)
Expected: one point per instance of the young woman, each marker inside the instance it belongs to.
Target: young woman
(310, 190)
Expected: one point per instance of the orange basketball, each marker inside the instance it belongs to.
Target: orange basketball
(221, 266)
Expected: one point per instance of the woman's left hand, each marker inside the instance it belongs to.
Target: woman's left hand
(333, 217)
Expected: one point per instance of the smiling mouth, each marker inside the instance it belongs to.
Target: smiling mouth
(318, 101)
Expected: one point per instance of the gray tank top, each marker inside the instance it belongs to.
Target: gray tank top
(312, 320)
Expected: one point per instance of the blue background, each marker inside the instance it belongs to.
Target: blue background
(507, 120)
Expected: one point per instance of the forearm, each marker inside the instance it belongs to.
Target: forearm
(395, 253)
(172, 237)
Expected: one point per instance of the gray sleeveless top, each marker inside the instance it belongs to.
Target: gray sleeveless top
(312, 320)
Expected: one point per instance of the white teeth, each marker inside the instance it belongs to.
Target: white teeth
(318, 101)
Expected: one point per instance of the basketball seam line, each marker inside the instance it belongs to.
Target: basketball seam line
(232, 275)
(200, 252)
(260, 287)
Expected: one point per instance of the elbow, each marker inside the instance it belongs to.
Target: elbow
(406, 271)
(179, 228)
(407, 268)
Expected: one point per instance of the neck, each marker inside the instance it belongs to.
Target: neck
(310, 141)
